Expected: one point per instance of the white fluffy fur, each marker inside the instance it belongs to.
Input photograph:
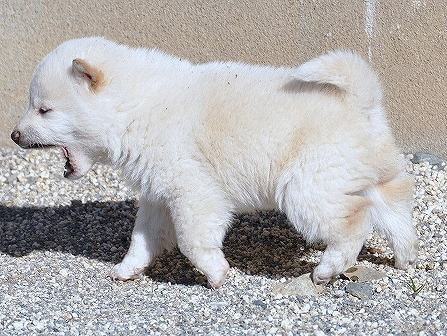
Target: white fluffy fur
(204, 141)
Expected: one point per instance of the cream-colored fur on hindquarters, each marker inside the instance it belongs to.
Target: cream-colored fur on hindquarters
(204, 141)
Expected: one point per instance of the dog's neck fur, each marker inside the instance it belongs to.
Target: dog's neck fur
(131, 141)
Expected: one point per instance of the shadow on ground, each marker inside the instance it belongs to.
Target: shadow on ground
(261, 244)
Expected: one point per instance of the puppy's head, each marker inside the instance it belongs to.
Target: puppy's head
(66, 106)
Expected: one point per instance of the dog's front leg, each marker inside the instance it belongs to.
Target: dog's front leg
(153, 232)
(201, 217)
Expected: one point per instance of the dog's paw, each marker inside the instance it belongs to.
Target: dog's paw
(124, 272)
(321, 275)
(403, 259)
(218, 277)
(404, 263)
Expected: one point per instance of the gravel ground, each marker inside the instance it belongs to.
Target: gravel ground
(58, 240)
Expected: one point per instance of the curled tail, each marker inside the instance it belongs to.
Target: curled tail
(349, 72)
(353, 75)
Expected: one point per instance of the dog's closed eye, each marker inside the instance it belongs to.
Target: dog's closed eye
(44, 110)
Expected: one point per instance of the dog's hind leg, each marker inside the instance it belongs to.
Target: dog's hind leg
(153, 232)
(348, 234)
(344, 231)
(326, 204)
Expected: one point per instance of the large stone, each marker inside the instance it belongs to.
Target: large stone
(302, 286)
(363, 274)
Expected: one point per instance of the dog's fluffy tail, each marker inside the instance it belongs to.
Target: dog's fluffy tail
(352, 74)
(390, 214)
(349, 72)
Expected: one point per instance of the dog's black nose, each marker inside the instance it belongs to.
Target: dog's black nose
(15, 136)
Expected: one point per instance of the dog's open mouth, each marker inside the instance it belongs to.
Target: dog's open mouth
(69, 168)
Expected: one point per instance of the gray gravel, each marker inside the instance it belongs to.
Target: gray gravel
(58, 240)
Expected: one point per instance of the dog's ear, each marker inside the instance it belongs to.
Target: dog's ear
(94, 77)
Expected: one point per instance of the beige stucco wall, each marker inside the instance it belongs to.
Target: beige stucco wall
(405, 41)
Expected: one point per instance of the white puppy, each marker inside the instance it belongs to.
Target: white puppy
(201, 142)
